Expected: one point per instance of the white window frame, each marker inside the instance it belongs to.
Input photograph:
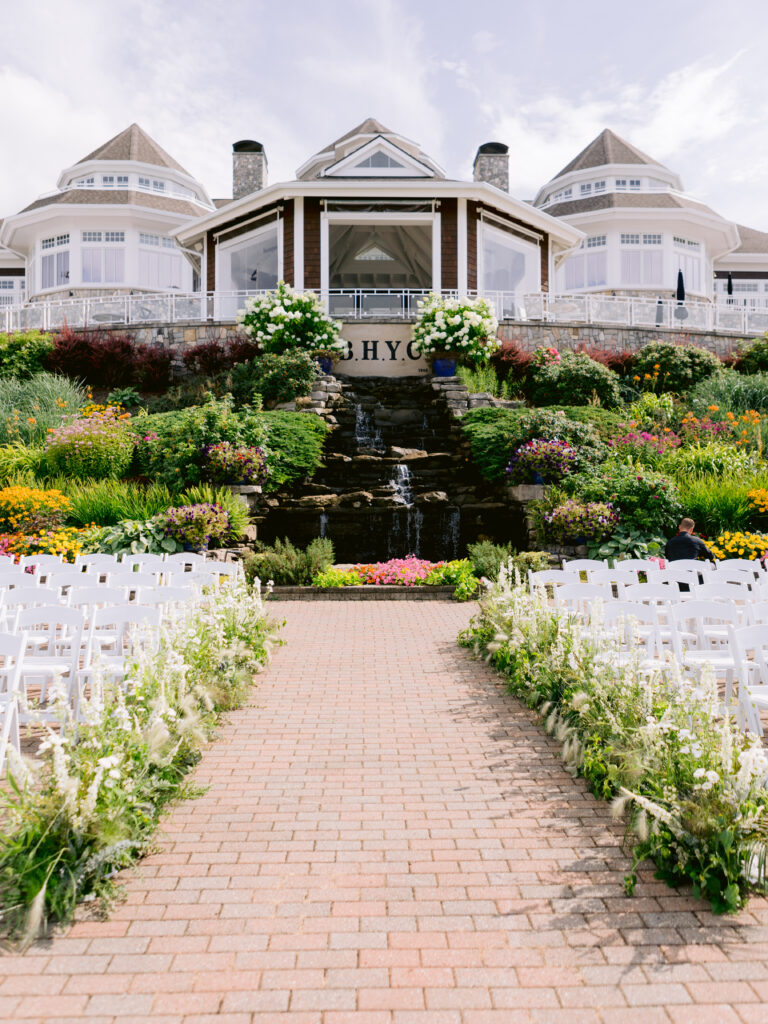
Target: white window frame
(236, 243)
(482, 227)
(387, 217)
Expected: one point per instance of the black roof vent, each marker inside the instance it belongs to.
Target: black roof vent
(247, 146)
(493, 148)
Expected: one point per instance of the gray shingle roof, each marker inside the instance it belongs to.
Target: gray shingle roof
(116, 197)
(134, 144)
(632, 200)
(752, 240)
(607, 148)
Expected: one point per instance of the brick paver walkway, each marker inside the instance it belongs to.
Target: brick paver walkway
(390, 839)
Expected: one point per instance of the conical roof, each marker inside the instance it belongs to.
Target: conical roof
(607, 148)
(134, 144)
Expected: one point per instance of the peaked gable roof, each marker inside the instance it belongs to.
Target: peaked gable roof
(370, 126)
(134, 144)
(607, 148)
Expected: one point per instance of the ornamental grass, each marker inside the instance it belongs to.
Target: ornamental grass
(690, 786)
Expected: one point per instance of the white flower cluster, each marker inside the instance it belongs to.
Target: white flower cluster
(286, 319)
(463, 327)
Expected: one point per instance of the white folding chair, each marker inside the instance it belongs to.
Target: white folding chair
(578, 598)
(752, 673)
(754, 566)
(53, 639)
(609, 577)
(700, 638)
(184, 559)
(548, 577)
(26, 597)
(64, 579)
(640, 564)
(578, 565)
(157, 597)
(87, 598)
(11, 660)
(111, 634)
(756, 613)
(144, 562)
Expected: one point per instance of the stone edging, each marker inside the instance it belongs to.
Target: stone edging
(362, 593)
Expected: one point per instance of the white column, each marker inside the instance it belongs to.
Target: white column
(436, 253)
(298, 242)
(325, 256)
(461, 246)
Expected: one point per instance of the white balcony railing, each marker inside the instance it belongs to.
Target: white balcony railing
(168, 308)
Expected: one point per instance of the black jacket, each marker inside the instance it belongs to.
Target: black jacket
(686, 546)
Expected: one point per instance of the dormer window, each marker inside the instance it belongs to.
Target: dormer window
(600, 186)
(379, 159)
(567, 193)
(85, 182)
(585, 189)
(634, 184)
(374, 252)
(621, 184)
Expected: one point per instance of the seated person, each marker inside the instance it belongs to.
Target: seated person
(685, 545)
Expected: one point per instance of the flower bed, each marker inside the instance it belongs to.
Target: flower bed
(404, 572)
(550, 461)
(91, 806)
(691, 785)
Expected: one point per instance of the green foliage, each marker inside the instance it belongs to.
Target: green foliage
(646, 501)
(626, 542)
(90, 447)
(731, 392)
(483, 380)
(494, 434)
(23, 353)
(287, 566)
(171, 445)
(209, 494)
(92, 802)
(717, 458)
(651, 411)
(575, 380)
(275, 376)
(458, 574)
(20, 461)
(29, 408)
(752, 356)
(605, 422)
(128, 397)
(487, 557)
(109, 502)
(719, 503)
(530, 561)
(134, 537)
(664, 367)
(336, 578)
(294, 446)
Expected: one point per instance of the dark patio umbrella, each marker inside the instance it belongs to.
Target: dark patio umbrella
(680, 287)
(729, 287)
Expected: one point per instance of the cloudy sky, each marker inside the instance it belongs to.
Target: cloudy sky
(682, 79)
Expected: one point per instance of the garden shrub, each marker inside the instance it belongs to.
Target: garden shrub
(275, 376)
(605, 422)
(574, 519)
(716, 458)
(484, 380)
(465, 329)
(662, 366)
(109, 359)
(752, 356)
(620, 362)
(574, 380)
(288, 566)
(206, 359)
(294, 446)
(29, 408)
(23, 353)
(134, 537)
(95, 447)
(30, 509)
(731, 392)
(239, 518)
(487, 558)
(717, 503)
(227, 464)
(285, 320)
(511, 362)
(494, 434)
(540, 461)
(172, 446)
(197, 526)
(646, 501)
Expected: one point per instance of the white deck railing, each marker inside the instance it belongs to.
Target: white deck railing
(168, 308)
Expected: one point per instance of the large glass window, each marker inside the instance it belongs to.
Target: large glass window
(55, 269)
(508, 263)
(380, 254)
(250, 263)
(642, 259)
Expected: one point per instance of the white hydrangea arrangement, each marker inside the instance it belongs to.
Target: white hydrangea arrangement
(462, 328)
(287, 320)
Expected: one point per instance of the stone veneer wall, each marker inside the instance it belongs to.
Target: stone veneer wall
(527, 335)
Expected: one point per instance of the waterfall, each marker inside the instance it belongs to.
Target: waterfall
(367, 434)
(323, 523)
(402, 486)
(453, 532)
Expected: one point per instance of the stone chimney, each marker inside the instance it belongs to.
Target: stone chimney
(492, 165)
(249, 168)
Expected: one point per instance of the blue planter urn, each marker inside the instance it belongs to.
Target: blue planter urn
(444, 367)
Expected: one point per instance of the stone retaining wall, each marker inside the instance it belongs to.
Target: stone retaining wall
(528, 336)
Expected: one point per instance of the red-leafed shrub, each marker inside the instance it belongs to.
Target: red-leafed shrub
(107, 359)
(206, 359)
(620, 362)
(511, 361)
(240, 350)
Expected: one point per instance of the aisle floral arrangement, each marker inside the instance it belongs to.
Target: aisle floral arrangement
(691, 786)
(91, 803)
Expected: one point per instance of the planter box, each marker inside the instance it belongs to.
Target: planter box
(362, 593)
(526, 492)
